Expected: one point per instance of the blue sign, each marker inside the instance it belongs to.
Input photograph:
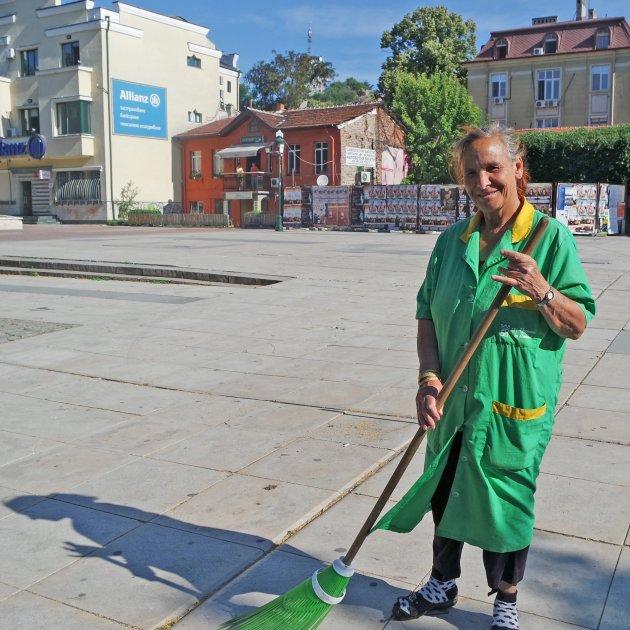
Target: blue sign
(139, 110)
(35, 147)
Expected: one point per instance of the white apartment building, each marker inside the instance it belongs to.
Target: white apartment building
(107, 89)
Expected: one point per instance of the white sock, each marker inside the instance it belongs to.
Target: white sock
(505, 615)
(434, 590)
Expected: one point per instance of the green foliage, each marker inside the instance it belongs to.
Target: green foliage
(127, 201)
(244, 96)
(433, 110)
(142, 211)
(426, 41)
(289, 78)
(344, 92)
(587, 154)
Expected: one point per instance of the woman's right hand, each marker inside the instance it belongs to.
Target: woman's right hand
(426, 404)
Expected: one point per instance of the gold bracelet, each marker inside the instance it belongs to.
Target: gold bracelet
(428, 375)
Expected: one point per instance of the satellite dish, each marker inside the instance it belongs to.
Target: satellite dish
(322, 180)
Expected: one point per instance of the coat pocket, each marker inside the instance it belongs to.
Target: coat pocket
(514, 434)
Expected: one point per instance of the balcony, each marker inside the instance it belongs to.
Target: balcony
(246, 185)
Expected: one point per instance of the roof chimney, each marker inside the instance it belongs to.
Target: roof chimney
(280, 107)
(592, 14)
(580, 10)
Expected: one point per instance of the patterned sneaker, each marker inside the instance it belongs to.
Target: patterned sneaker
(434, 595)
(505, 615)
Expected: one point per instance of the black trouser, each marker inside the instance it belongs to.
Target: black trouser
(509, 566)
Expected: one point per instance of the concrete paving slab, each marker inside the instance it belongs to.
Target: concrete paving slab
(585, 459)
(609, 321)
(593, 424)
(6, 499)
(621, 344)
(26, 381)
(561, 508)
(567, 389)
(611, 371)
(14, 447)
(605, 398)
(595, 339)
(578, 363)
(25, 610)
(319, 463)
(59, 469)
(263, 510)
(148, 577)
(54, 532)
(6, 591)
(616, 611)
(142, 489)
(328, 394)
(394, 401)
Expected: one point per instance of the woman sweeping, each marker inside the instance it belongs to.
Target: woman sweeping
(484, 452)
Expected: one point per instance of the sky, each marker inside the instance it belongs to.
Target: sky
(346, 32)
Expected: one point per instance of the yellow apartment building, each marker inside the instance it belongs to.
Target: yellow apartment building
(107, 88)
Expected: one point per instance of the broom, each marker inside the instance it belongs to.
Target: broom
(305, 606)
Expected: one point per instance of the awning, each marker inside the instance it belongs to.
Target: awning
(242, 150)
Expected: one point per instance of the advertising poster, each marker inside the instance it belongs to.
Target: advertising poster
(465, 207)
(576, 206)
(375, 207)
(139, 110)
(307, 206)
(616, 209)
(402, 207)
(603, 208)
(292, 208)
(331, 206)
(540, 196)
(438, 206)
(357, 203)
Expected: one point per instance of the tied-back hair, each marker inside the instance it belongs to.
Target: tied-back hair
(507, 137)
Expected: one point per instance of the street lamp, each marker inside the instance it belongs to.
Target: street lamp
(280, 143)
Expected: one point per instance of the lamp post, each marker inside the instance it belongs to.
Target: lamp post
(280, 143)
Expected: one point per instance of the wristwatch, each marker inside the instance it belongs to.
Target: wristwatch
(548, 297)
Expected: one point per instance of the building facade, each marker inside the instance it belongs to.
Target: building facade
(555, 74)
(107, 89)
(232, 166)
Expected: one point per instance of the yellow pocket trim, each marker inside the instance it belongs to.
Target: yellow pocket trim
(516, 413)
(519, 301)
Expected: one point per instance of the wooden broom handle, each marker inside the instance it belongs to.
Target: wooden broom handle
(445, 392)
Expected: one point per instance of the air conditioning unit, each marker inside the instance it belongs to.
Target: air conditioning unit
(551, 103)
(275, 182)
(9, 53)
(498, 100)
(540, 103)
(12, 132)
(539, 51)
(365, 177)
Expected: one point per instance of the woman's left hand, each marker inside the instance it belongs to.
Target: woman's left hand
(523, 274)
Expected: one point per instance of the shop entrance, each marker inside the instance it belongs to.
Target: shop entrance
(27, 199)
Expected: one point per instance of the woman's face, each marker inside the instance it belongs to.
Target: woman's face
(490, 176)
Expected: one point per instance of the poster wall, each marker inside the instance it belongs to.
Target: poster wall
(375, 207)
(438, 206)
(402, 207)
(576, 207)
(540, 196)
(331, 206)
(616, 209)
(292, 207)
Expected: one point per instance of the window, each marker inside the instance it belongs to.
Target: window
(293, 165)
(195, 116)
(196, 207)
(70, 54)
(551, 44)
(500, 49)
(548, 85)
(545, 123)
(195, 164)
(77, 187)
(193, 62)
(30, 120)
(498, 85)
(599, 78)
(321, 157)
(602, 39)
(74, 117)
(220, 80)
(29, 62)
(217, 164)
(218, 206)
(229, 86)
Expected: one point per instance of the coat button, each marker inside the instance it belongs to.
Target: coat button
(464, 388)
(455, 494)
(464, 458)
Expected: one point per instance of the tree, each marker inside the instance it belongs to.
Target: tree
(426, 41)
(433, 110)
(244, 96)
(344, 92)
(289, 78)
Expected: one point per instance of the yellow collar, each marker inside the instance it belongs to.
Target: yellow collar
(520, 229)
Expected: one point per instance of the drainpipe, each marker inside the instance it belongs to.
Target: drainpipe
(109, 117)
(332, 140)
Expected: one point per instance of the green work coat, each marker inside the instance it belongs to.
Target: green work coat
(504, 401)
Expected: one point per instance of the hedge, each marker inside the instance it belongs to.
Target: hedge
(586, 154)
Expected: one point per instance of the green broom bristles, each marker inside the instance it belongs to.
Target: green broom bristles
(298, 609)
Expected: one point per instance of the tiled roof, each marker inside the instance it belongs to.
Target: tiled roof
(573, 37)
(286, 119)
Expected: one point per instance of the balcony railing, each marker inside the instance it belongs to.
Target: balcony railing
(233, 182)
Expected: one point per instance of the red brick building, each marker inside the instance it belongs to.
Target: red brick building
(327, 145)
